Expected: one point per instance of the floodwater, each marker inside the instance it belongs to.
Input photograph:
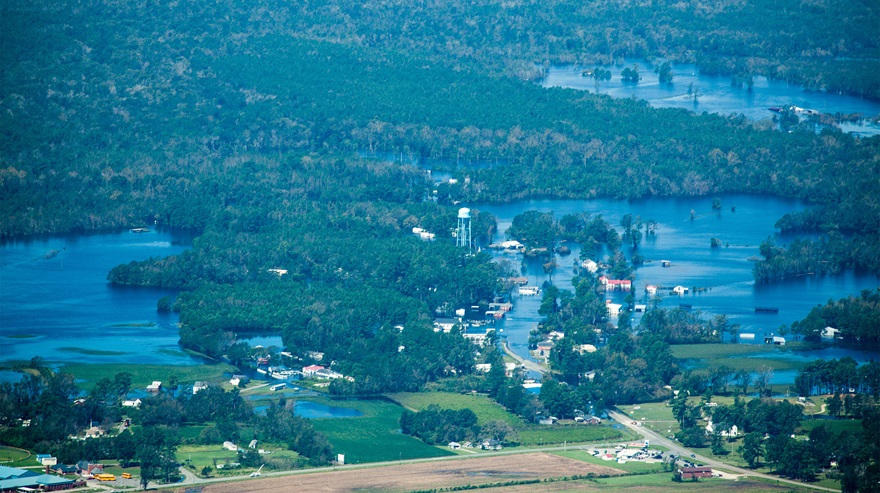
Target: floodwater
(724, 273)
(315, 410)
(715, 94)
(56, 303)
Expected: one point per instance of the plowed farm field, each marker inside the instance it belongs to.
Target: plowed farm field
(427, 475)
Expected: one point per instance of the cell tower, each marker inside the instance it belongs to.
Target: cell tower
(463, 231)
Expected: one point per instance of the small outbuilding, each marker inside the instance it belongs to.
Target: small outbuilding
(695, 472)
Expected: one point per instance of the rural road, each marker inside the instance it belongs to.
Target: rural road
(657, 439)
(530, 365)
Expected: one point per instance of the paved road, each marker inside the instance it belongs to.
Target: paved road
(529, 364)
(657, 439)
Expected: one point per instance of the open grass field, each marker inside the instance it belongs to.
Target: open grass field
(536, 435)
(374, 436)
(488, 410)
(485, 408)
(834, 425)
(14, 457)
(656, 416)
(199, 456)
(142, 375)
(422, 476)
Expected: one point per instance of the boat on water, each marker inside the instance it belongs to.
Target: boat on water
(263, 371)
(140, 230)
(766, 309)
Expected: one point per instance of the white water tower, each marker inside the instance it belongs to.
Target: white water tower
(463, 231)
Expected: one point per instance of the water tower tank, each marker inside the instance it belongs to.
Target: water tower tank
(463, 231)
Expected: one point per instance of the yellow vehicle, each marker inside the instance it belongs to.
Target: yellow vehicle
(126, 475)
(105, 477)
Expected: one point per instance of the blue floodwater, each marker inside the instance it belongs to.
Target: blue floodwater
(64, 302)
(726, 271)
(314, 410)
(55, 290)
(715, 93)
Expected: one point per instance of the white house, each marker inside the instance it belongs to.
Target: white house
(512, 245)
(478, 338)
(445, 324)
(199, 386)
(613, 308)
(130, 403)
(732, 431)
(830, 333)
(679, 290)
(591, 266)
(651, 289)
(230, 446)
(309, 371)
(155, 386)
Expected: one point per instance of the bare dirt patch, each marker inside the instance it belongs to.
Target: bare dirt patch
(408, 477)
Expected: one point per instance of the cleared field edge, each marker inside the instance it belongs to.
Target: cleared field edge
(422, 475)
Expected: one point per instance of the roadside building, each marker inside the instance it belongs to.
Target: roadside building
(309, 371)
(14, 479)
(695, 472)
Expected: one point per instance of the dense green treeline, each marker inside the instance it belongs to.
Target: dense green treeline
(354, 271)
(857, 319)
(164, 137)
(55, 410)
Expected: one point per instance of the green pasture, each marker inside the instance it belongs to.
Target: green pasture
(142, 375)
(538, 435)
(488, 410)
(13, 457)
(656, 416)
(199, 456)
(485, 408)
(374, 436)
(836, 426)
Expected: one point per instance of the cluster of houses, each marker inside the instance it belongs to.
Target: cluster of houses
(652, 289)
(322, 373)
(623, 453)
(491, 444)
